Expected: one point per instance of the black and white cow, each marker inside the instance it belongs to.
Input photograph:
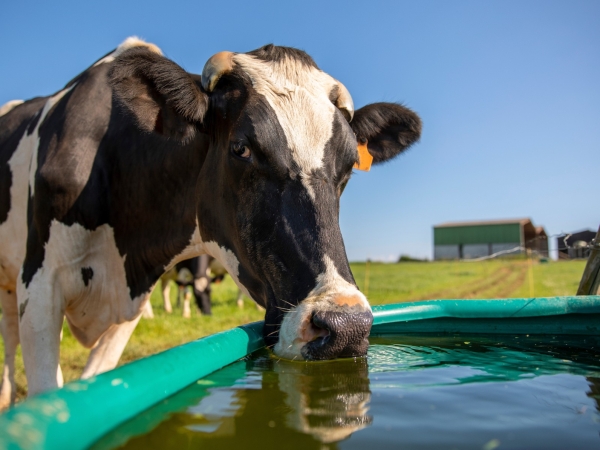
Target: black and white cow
(251, 158)
(191, 275)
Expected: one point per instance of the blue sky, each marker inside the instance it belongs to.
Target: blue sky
(509, 94)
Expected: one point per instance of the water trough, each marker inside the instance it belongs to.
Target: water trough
(83, 411)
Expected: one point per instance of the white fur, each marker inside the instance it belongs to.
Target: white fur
(13, 232)
(13, 237)
(58, 289)
(229, 261)
(329, 285)
(106, 354)
(8, 106)
(299, 95)
(201, 284)
(194, 248)
(90, 309)
(130, 42)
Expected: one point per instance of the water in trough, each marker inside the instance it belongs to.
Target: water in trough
(417, 392)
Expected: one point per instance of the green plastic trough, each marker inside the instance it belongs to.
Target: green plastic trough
(83, 411)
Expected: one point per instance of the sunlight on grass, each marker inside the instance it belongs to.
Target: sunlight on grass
(387, 283)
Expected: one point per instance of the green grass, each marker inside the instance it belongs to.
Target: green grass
(385, 283)
(389, 283)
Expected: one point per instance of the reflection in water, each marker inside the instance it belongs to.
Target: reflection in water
(594, 391)
(328, 403)
(261, 402)
(424, 392)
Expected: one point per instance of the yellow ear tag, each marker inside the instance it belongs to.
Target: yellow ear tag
(365, 159)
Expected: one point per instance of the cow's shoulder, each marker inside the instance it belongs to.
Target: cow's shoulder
(76, 149)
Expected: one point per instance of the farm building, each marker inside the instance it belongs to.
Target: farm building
(468, 240)
(575, 245)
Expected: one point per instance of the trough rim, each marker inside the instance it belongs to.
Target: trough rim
(80, 413)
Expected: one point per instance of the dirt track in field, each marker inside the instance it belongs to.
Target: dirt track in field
(499, 284)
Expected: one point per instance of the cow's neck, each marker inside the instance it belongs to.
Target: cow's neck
(153, 194)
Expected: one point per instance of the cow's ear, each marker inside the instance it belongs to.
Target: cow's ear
(162, 96)
(386, 128)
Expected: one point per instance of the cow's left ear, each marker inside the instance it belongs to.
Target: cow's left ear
(163, 97)
(386, 128)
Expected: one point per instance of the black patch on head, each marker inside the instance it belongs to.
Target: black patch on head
(87, 273)
(271, 52)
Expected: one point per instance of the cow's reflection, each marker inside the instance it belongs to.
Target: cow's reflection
(277, 403)
(594, 392)
(326, 400)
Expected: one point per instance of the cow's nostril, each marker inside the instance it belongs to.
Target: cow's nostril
(315, 331)
(338, 334)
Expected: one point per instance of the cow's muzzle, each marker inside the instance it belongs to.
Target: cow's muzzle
(341, 333)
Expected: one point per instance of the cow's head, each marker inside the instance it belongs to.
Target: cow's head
(283, 139)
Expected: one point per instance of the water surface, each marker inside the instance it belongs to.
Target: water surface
(410, 392)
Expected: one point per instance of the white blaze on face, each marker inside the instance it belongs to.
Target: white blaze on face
(330, 285)
(299, 95)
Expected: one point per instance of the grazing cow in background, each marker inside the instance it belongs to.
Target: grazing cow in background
(251, 157)
(191, 275)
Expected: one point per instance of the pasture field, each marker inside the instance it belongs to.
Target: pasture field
(383, 283)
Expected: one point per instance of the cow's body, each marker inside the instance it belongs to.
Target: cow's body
(127, 170)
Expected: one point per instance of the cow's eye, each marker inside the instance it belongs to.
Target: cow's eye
(241, 150)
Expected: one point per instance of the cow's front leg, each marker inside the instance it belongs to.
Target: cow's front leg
(10, 333)
(41, 313)
(107, 352)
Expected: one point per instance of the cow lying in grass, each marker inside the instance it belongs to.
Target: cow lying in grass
(250, 157)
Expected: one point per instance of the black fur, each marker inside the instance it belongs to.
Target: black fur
(271, 52)
(96, 167)
(87, 273)
(388, 128)
(132, 179)
(13, 126)
(163, 97)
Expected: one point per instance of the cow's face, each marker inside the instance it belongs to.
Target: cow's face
(281, 149)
